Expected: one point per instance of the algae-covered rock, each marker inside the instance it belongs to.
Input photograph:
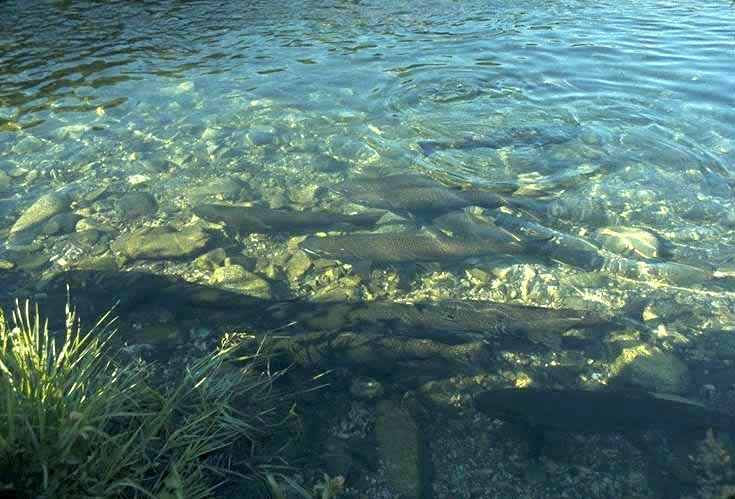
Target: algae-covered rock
(277, 201)
(650, 368)
(211, 259)
(344, 289)
(136, 204)
(297, 265)
(629, 241)
(400, 451)
(138, 179)
(663, 308)
(305, 194)
(229, 274)
(98, 263)
(226, 189)
(61, 223)
(44, 208)
(457, 392)
(34, 260)
(161, 243)
(87, 224)
(235, 277)
(479, 276)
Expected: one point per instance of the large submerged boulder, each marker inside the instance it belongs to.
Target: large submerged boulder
(41, 210)
(652, 369)
(161, 243)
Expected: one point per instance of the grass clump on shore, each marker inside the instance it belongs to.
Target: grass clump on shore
(74, 423)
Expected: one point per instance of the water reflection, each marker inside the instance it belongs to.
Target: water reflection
(419, 161)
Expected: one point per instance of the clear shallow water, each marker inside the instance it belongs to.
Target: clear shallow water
(651, 84)
(652, 81)
(317, 92)
(293, 96)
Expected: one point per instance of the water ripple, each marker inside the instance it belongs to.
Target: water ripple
(648, 82)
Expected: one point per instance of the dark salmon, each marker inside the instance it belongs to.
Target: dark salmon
(505, 137)
(263, 220)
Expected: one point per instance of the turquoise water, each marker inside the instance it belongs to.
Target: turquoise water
(361, 83)
(277, 103)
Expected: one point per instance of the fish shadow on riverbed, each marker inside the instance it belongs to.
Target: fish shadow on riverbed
(447, 323)
(551, 416)
(385, 331)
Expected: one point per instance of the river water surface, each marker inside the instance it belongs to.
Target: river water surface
(607, 128)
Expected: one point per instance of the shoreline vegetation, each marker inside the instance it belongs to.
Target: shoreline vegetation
(77, 422)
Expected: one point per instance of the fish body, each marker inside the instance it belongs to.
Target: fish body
(390, 181)
(587, 411)
(587, 211)
(424, 200)
(417, 194)
(263, 220)
(505, 137)
(552, 244)
(449, 321)
(411, 246)
(474, 227)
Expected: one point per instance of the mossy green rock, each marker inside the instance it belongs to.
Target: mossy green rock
(229, 274)
(235, 277)
(629, 241)
(99, 263)
(44, 208)
(86, 224)
(305, 194)
(211, 259)
(62, 223)
(650, 368)
(161, 243)
(298, 265)
(136, 204)
(32, 261)
(479, 276)
(227, 188)
(344, 289)
(399, 446)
